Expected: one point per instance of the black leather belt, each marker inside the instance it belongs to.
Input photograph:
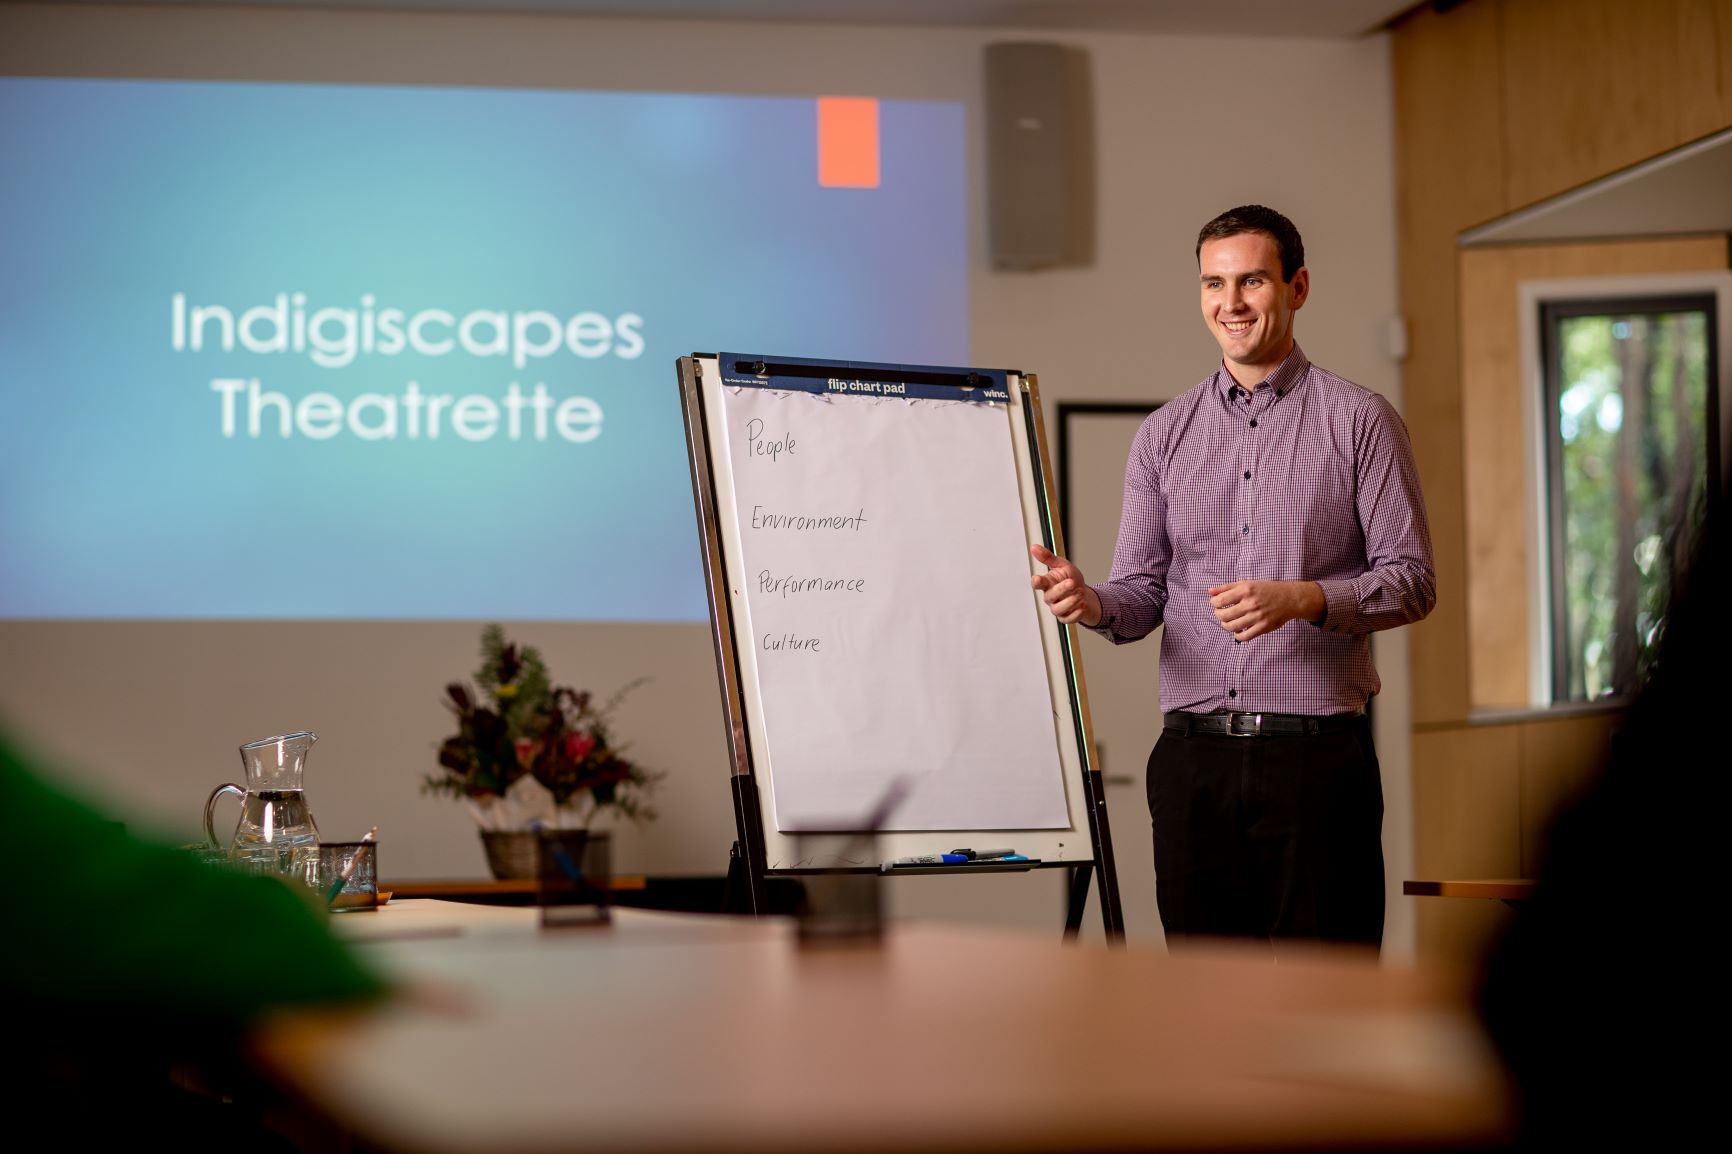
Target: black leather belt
(1261, 724)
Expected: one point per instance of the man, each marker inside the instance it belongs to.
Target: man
(1272, 521)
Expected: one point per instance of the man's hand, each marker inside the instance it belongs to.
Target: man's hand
(1248, 609)
(1062, 585)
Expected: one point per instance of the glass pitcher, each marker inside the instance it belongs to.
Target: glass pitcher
(276, 833)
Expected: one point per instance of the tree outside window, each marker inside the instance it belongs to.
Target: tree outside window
(1631, 439)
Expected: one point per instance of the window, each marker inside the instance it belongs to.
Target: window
(1632, 414)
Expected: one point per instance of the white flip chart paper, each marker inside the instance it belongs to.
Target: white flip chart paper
(889, 615)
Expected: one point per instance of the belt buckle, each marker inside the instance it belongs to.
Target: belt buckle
(1256, 729)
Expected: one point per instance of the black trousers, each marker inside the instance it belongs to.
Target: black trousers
(1269, 837)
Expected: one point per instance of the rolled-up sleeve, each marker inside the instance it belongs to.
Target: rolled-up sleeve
(1399, 586)
(1134, 596)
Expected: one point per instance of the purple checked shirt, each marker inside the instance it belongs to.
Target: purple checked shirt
(1306, 478)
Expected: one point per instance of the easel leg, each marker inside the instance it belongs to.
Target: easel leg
(745, 887)
(737, 890)
(1079, 897)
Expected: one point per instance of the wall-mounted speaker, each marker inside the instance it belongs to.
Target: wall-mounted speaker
(1040, 155)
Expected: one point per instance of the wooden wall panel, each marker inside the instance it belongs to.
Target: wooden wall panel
(1499, 103)
(1449, 175)
(1701, 102)
(1592, 86)
(1466, 824)
(1493, 478)
(1723, 24)
(1494, 396)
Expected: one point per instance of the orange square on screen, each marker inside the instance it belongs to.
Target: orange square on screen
(847, 142)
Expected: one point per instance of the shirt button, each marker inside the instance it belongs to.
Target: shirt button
(1247, 474)
(1253, 422)
(1232, 693)
(1244, 529)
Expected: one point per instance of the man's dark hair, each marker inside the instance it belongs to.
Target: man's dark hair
(1256, 218)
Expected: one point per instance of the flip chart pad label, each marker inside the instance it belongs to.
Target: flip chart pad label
(889, 615)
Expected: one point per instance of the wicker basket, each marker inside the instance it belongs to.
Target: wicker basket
(511, 853)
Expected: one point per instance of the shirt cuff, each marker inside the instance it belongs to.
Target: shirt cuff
(1340, 606)
(1109, 610)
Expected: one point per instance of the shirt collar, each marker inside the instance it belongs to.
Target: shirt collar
(1287, 374)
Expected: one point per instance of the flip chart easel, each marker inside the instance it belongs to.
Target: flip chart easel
(864, 531)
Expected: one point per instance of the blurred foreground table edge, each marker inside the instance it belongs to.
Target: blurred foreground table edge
(664, 1032)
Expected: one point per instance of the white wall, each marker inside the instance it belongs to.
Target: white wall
(150, 713)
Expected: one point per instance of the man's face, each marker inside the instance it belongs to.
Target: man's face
(1247, 306)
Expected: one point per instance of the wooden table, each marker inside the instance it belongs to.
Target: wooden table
(506, 891)
(669, 1032)
(1511, 890)
(688, 893)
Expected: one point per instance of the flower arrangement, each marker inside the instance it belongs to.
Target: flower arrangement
(527, 750)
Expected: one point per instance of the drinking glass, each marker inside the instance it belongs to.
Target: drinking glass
(345, 875)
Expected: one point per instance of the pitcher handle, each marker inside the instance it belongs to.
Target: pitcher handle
(210, 809)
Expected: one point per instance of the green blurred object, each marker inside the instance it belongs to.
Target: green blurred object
(206, 854)
(120, 928)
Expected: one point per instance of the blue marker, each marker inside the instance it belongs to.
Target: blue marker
(931, 859)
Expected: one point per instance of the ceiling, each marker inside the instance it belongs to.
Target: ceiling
(1326, 19)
